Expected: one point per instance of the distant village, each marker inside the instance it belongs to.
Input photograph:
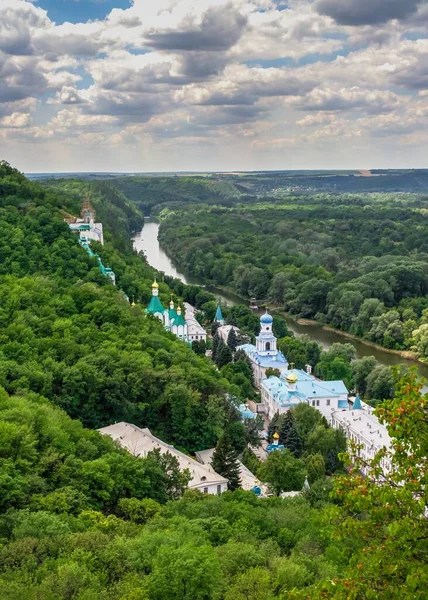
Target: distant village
(279, 393)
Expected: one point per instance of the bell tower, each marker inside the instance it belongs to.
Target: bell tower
(266, 341)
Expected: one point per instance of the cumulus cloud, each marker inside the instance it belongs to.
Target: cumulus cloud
(367, 12)
(219, 29)
(219, 72)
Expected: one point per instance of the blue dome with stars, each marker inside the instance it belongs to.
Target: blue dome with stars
(266, 319)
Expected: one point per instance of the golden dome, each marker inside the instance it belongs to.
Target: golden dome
(155, 285)
(276, 436)
(292, 378)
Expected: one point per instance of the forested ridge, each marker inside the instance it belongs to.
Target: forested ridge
(357, 263)
(82, 519)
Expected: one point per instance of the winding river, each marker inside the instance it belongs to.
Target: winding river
(147, 241)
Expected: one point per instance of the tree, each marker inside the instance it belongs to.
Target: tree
(217, 341)
(187, 572)
(250, 460)
(270, 372)
(380, 384)
(361, 369)
(254, 584)
(294, 442)
(289, 436)
(274, 426)
(199, 347)
(332, 369)
(252, 430)
(306, 418)
(283, 472)
(286, 425)
(177, 481)
(224, 355)
(315, 466)
(232, 340)
(225, 462)
(328, 442)
(385, 523)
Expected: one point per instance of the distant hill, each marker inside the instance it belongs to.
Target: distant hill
(150, 189)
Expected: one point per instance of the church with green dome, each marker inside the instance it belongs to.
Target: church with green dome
(171, 317)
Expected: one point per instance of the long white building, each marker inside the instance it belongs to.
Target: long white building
(363, 428)
(140, 442)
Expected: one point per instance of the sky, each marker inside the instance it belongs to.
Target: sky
(213, 85)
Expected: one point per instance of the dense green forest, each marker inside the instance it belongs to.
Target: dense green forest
(357, 263)
(82, 519)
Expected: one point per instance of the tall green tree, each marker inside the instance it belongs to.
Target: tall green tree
(283, 472)
(225, 462)
(224, 355)
(232, 340)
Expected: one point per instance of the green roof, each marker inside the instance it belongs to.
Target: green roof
(155, 306)
(172, 314)
(179, 320)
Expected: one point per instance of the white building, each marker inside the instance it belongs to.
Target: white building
(140, 442)
(89, 230)
(264, 354)
(185, 328)
(224, 331)
(363, 428)
(248, 479)
(294, 387)
(195, 331)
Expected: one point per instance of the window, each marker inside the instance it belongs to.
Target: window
(205, 490)
(328, 401)
(268, 346)
(313, 402)
(318, 402)
(219, 489)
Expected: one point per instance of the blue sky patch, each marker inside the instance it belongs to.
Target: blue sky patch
(80, 11)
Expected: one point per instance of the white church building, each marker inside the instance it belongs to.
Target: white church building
(264, 354)
(186, 328)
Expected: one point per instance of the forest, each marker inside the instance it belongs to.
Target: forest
(82, 519)
(356, 263)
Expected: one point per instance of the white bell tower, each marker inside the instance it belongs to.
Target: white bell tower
(266, 341)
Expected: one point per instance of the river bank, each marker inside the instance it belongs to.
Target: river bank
(406, 354)
(147, 241)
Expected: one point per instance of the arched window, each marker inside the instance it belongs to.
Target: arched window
(268, 346)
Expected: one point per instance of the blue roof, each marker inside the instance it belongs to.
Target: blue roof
(266, 318)
(279, 390)
(273, 447)
(338, 387)
(304, 390)
(277, 361)
(219, 314)
(301, 375)
(357, 404)
(246, 413)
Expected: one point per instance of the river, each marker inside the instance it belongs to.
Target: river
(147, 241)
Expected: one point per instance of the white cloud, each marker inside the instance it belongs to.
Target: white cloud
(215, 73)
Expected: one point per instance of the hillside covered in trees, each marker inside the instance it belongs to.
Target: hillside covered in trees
(81, 519)
(357, 263)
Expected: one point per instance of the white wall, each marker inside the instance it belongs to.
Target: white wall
(212, 488)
